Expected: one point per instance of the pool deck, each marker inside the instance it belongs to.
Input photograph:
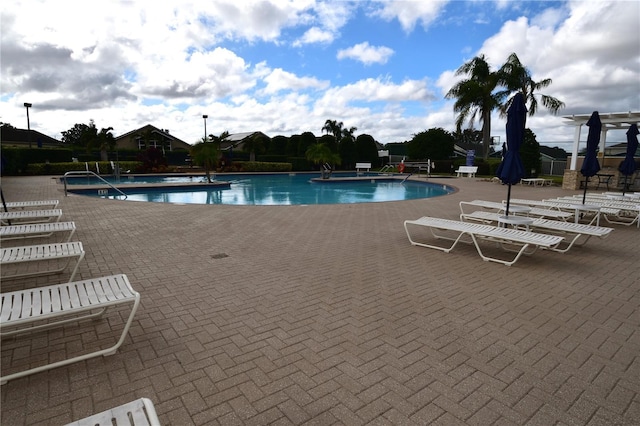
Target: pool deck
(326, 315)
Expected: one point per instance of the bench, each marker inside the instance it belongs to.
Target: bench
(36, 230)
(363, 166)
(470, 171)
(475, 231)
(30, 216)
(45, 307)
(140, 412)
(40, 253)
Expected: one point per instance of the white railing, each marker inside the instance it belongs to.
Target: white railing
(88, 173)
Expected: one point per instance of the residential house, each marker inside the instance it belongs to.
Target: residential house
(237, 140)
(12, 136)
(150, 137)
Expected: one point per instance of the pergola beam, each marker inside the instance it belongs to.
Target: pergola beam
(610, 121)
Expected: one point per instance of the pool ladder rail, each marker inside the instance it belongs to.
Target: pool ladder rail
(89, 173)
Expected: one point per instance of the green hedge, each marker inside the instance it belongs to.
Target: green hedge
(62, 168)
(16, 160)
(259, 166)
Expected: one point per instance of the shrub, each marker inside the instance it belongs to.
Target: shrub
(62, 168)
(258, 166)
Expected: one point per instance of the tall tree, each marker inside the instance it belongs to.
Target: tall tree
(530, 154)
(306, 140)
(517, 78)
(75, 135)
(476, 96)
(335, 128)
(433, 144)
(104, 142)
(367, 150)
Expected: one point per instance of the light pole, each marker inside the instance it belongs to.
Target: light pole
(205, 116)
(27, 105)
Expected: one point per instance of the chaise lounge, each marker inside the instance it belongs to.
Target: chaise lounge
(21, 217)
(21, 261)
(52, 306)
(572, 231)
(513, 240)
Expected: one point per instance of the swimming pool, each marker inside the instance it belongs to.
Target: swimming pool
(271, 189)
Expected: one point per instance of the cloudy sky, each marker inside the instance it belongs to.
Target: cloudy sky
(286, 66)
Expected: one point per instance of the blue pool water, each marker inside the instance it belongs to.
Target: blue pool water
(274, 189)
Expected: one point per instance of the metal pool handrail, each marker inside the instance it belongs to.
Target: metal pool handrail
(87, 172)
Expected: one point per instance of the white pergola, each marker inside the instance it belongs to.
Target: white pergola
(610, 121)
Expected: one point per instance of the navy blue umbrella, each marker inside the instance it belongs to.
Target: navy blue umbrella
(511, 170)
(590, 166)
(628, 165)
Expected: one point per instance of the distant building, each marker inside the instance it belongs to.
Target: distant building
(553, 153)
(150, 137)
(237, 140)
(12, 136)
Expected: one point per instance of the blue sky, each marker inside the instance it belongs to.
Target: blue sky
(285, 67)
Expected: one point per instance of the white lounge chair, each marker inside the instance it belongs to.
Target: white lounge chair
(572, 231)
(37, 204)
(140, 412)
(621, 212)
(505, 237)
(576, 208)
(20, 217)
(36, 230)
(45, 307)
(49, 253)
(517, 209)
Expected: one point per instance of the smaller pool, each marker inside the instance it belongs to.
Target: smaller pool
(268, 189)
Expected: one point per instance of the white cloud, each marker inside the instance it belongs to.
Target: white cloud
(280, 80)
(366, 53)
(409, 13)
(375, 90)
(315, 35)
(590, 55)
(217, 73)
(125, 64)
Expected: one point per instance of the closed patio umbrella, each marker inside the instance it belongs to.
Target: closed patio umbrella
(511, 170)
(628, 165)
(590, 166)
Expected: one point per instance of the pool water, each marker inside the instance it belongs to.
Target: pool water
(279, 189)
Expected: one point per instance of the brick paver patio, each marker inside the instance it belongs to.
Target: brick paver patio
(326, 315)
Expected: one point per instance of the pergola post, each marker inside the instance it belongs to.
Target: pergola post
(610, 121)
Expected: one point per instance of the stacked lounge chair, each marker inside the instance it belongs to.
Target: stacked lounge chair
(26, 310)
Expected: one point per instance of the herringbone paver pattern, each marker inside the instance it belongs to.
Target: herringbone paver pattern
(326, 315)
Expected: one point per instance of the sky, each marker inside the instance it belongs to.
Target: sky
(284, 67)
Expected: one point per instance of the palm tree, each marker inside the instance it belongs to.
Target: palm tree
(517, 78)
(205, 154)
(476, 96)
(348, 133)
(335, 128)
(105, 142)
(320, 153)
(218, 139)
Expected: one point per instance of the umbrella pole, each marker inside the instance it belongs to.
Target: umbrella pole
(624, 185)
(586, 183)
(508, 199)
